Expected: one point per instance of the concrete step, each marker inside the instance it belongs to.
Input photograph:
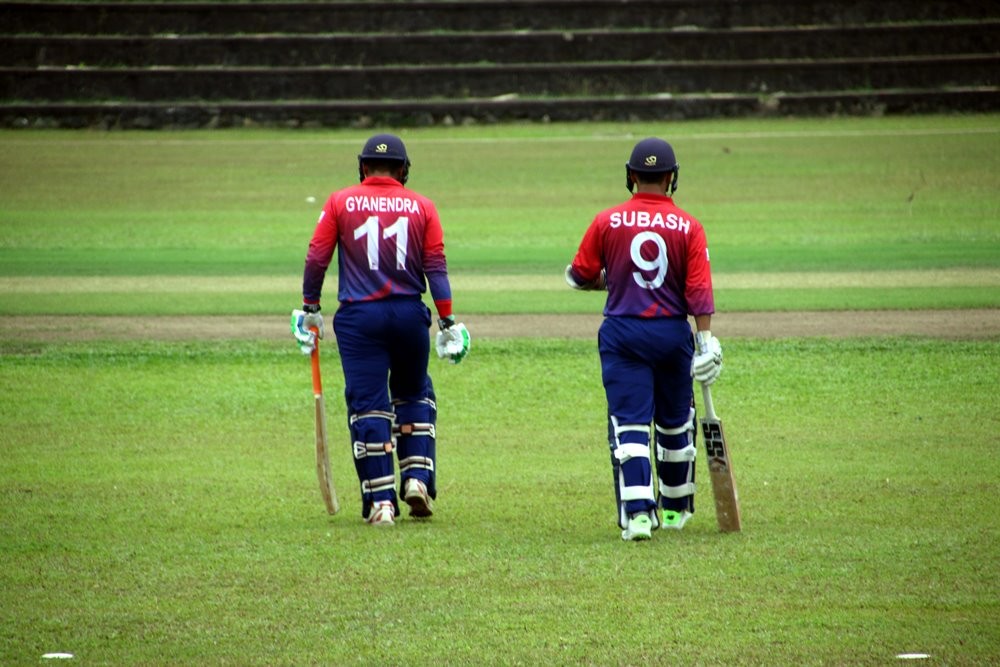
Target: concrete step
(427, 82)
(186, 18)
(367, 113)
(870, 41)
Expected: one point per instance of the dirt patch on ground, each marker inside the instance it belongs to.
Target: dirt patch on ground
(950, 324)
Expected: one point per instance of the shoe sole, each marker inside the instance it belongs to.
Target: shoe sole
(679, 525)
(638, 535)
(635, 537)
(419, 506)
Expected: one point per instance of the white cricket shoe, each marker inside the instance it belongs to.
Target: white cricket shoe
(640, 527)
(382, 513)
(415, 495)
(674, 520)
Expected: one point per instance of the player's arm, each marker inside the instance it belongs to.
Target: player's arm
(435, 264)
(698, 286)
(307, 322)
(318, 257)
(453, 340)
(587, 272)
(707, 361)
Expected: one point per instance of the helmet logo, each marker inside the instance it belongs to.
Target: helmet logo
(651, 161)
(382, 148)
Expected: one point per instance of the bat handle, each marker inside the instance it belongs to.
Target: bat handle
(706, 395)
(314, 358)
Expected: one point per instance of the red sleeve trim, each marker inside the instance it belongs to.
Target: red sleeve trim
(443, 307)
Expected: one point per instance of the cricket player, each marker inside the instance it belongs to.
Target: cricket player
(652, 257)
(391, 248)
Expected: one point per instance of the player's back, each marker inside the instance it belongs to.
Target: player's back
(381, 229)
(649, 246)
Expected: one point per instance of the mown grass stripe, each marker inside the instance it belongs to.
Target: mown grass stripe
(537, 282)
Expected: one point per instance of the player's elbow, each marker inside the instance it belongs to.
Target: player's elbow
(572, 279)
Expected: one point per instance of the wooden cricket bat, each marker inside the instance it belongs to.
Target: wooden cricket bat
(720, 468)
(322, 454)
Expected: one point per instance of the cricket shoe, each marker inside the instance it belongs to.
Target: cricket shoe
(382, 514)
(675, 520)
(415, 495)
(640, 527)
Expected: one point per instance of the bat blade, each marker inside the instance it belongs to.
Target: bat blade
(323, 473)
(720, 471)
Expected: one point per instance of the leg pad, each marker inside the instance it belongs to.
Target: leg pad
(416, 442)
(632, 469)
(372, 442)
(675, 465)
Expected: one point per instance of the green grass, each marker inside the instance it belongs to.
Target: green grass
(158, 502)
(160, 507)
(839, 195)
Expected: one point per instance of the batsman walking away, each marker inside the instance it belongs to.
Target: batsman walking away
(652, 258)
(390, 249)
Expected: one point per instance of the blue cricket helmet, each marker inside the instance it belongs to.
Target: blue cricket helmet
(385, 148)
(652, 156)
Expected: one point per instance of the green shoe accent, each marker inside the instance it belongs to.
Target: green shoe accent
(675, 520)
(640, 527)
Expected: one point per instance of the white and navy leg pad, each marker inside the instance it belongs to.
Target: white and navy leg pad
(411, 463)
(415, 434)
(635, 488)
(675, 465)
(387, 483)
(371, 433)
(634, 475)
(372, 414)
(365, 449)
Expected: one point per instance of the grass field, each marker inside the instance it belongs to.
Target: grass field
(158, 503)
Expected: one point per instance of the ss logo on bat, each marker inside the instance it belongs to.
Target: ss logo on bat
(715, 447)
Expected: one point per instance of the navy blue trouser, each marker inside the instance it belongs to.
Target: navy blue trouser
(384, 347)
(646, 370)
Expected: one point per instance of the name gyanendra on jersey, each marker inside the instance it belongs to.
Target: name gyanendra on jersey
(381, 204)
(644, 219)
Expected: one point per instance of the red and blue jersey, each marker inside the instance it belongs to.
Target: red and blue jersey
(656, 258)
(390, 240)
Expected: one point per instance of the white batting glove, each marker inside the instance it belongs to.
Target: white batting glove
(707, 361)
(302, 323)
(453, 340)
(599, 283)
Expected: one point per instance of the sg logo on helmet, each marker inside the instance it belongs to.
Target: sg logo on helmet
(651, 161)
(384, 148)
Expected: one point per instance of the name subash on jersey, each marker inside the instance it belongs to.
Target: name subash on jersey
(646, 219)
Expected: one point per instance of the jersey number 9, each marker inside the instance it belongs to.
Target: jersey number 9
(657, 263)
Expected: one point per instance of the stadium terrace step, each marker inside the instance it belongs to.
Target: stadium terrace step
(211, 64)
(367, 113)
(758, 43)
(555, 79)
(152, 18)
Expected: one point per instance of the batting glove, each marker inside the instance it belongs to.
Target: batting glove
(599, 283)
(453, 340)
(707, 361)
(302, 323)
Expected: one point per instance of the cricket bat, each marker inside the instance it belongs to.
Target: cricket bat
(322, 454)
(720, 468)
